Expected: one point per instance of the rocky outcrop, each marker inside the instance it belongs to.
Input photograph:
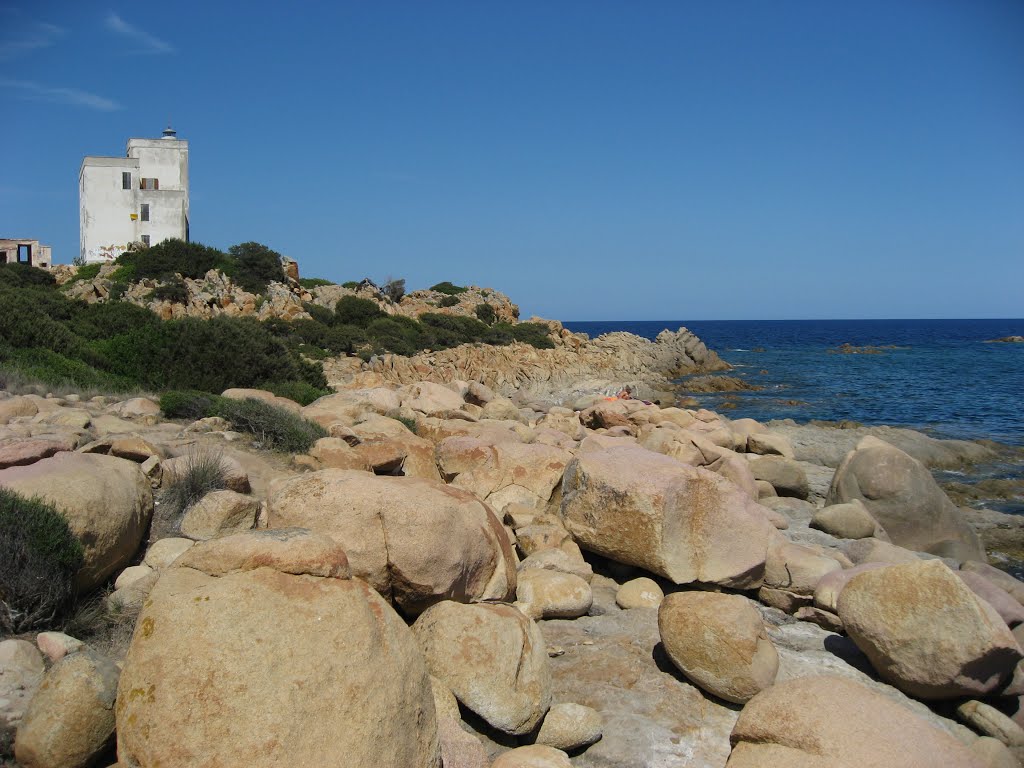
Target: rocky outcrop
(577, 365)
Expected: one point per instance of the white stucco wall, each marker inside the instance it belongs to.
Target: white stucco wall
(105, 208)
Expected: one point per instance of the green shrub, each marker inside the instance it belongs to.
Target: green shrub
(102, 321)
(275, 427)
(203, 471)
(208, 355)
(23, 276)
(350, 284)
(87, 272)
(535, 334)
(448, 301)
(485, 313)
(39, 557)
(173, 290)
(448, 288)
(344, 339)
(176, 256)
(188, 404)
(313, 282)
(299, 391)
(256, 266)
(451, 330)
(396, 334)
(318, 313)
(57, 371)
(352, 310)
(26, 321)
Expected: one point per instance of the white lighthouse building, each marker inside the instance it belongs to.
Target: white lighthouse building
(142, 197)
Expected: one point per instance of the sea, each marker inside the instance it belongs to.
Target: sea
(945, 378)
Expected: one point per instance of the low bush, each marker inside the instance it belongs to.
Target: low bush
(86, 272)
(190, 404)
(449, 288)
(275, 427)
(485, 313)
(451, 330)
(299, 391)
(39, 557)
(394, 289)
(173, 290)
(352, 310)
(23, 276)
(318, 313)
(535, 334)
(313, 282)
(448, 301)
(255, 266)
(203, 471)
(399, 335)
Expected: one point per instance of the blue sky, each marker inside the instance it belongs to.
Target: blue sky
(594, 160)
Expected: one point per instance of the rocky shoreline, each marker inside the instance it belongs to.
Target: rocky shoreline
(488, 562)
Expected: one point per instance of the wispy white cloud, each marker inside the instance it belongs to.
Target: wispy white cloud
(33, 91)
(146, 42)
(20, 39)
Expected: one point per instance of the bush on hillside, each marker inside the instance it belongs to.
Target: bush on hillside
(449, 288)
(535, 334)
(313, 282)
(209, 355)
(39, 557)
(85, 272)
(173, 256)
(57, 371)
(399, 335)
(23, 276)
(299, 391)
(448, 301)
(485, 313)
(275, 427)
(318, 313)
(451, 330)
(352, 310)
(256, 266)
(189, 404)
(102, 321)
(173, 290)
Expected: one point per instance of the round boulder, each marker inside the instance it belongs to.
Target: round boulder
(260, 666)
(107, 502)
(639, 593)
(71, 717)
(925, 631)
(546, 594)
(416, 541)
(719, 642)
(493, 659)
(570, 727)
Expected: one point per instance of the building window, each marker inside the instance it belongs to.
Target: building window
(126, 180)
(149, 184)
(145, 212)
(145, 240)
(24, 253)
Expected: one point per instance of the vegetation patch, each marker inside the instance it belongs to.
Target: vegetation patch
(275, 427)
(203, 471)
(313, 282)
(39, 557)
(449, 288)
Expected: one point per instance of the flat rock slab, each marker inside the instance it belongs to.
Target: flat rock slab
(18, 453)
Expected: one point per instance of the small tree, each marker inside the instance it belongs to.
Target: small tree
(394, 289)
(485, 313)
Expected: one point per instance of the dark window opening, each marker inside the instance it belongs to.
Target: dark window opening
(126, 180)
(149, 184)
(24, 253)
(145, 240)
(145, 212)
(186, 230)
